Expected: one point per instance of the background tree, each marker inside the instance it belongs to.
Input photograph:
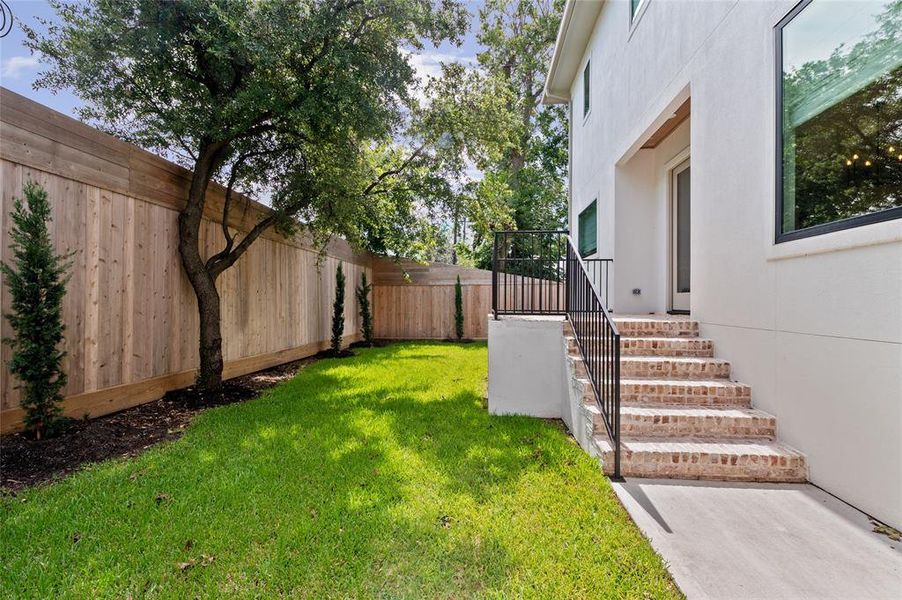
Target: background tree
(530, 177)
(458, 310)
(518, 145)
(292, 101)
(37, 284)
(366, 316)
(338, 311)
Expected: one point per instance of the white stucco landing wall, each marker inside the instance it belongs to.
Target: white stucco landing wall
(526, 366)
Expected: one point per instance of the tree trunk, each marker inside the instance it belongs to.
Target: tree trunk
(209, 376)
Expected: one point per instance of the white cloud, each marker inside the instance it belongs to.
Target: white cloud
(429, 64)
(15, 66)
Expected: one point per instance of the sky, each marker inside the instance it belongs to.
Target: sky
(19, 68)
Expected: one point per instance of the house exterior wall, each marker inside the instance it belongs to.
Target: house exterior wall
(814, 325)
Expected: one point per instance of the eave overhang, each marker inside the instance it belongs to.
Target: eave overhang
(577, 25)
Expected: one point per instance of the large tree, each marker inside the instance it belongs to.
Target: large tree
(522, 153)
(296, 100)
(518, 36)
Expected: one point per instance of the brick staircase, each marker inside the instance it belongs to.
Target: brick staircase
(681, 416)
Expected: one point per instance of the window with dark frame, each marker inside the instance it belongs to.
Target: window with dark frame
(839, 116)
(634, 8)
(586, 89)
(588, 230)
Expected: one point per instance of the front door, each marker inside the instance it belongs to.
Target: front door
(679, 252)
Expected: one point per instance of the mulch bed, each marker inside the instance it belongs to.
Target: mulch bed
(25, 462)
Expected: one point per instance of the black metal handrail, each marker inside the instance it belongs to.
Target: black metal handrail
(541, 273)
(599, 343)
(599, 271)
(529, 269)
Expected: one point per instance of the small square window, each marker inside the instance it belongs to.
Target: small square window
(588, 230)
(586, 72)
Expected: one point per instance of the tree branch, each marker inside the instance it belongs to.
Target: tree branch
(227, 261)
(368, 190)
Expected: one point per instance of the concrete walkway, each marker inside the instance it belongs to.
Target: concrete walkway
(736, 540)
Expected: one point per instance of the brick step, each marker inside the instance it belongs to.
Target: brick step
(666, 346)
(658, 346)
(698, 392)
(656, 326)
(716, 459)
(663, 367)
(696, 422)
(674, 367)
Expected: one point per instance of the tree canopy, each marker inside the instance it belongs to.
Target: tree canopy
(308, 105)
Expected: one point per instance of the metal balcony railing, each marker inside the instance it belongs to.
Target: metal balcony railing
(541, 273)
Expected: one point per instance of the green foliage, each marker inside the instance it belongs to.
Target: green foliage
(366, 315)
(458, 309)
(519, 35)
(286, 98)
(338, 310)
(37, 284)
(292, 101)
(502, 129)
(861, 128)
(376, 476)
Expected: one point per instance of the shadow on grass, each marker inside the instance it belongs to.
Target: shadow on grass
(307, 488)
(376, 475)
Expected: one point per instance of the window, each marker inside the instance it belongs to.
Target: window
(634, 8)
(586, 89)
(839, 116)
(588, 226)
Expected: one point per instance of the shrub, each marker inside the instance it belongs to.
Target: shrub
(366, 317)
(37, 281)
(458, 310)
(338, 310)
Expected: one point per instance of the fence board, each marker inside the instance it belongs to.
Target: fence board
(130, 313)
(416, 301)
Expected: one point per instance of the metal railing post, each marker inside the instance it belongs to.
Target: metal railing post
(616, 408)
(495, 277)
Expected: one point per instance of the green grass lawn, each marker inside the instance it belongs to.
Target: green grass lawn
(380, 475)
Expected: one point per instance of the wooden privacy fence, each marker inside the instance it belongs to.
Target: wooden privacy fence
(129, 311)
(420, 305)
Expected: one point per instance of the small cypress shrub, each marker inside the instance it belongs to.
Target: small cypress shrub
(37, 281)
(363, 301)
(458, 310)
(338, 311)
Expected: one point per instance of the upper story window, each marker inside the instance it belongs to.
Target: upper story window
(635, 5)
(586, 88)
(839, 116)
(588, 230)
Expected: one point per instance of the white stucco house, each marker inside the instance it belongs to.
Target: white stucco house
(741, 163)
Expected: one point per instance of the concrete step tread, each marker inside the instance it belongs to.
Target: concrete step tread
(730, 446)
